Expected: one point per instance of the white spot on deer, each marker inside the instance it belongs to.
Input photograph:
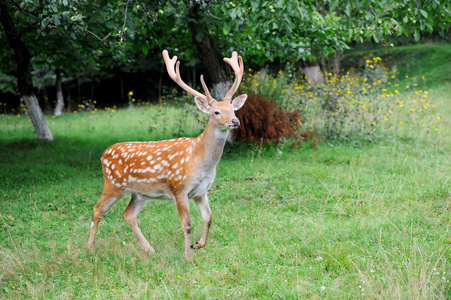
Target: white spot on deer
(177, 172)
(184, 177)
(131, 178)
(106, 162)
(112, 167)
(107, 171)
(149, 169)
(158, 158)
(180, 177)
(187, 158)
(182, 161)
(117, 185)
(120, 161)
(152, 162)
(110, 177)
(175, 165)
(124, 183)
(158, 167)
(165, 163)
(118, 174)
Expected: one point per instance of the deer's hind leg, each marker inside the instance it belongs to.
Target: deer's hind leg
(134, 207)
(109, 197)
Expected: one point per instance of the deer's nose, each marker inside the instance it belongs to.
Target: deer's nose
(236, 122)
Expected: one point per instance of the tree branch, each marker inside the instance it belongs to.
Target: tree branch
(125, 21)
(101, 40)
(25, 10)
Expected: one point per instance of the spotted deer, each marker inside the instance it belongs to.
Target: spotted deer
(180, 169)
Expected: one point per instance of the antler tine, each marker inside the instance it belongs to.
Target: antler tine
(170, 62)
(207, 92)
(238, 69)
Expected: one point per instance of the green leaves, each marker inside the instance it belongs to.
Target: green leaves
(348, 9)
(226, 28)
(416, 35)
(425, 14)
(145, 49)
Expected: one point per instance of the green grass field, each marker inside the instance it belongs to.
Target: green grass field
(339, 222)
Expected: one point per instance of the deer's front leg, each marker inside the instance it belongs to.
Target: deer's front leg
(205, 211)
(183, 210)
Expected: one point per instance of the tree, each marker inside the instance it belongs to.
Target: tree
(22, 57)
(33, 27)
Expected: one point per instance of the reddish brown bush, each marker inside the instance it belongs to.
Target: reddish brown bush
(262, 121)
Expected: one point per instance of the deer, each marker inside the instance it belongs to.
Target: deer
(178, 169)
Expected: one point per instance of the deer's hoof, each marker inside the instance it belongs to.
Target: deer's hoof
(197, 245)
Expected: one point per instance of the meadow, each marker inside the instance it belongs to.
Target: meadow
(336, 221)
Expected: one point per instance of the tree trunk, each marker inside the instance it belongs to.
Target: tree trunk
(312, 71)
(337, 59)
(323, 66)
(23, 60)
(218, 71)
(59, 94)
(121, 84)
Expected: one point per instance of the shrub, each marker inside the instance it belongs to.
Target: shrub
(262, 121)
(355, 106)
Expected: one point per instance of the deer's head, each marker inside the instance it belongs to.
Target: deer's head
(222, 113)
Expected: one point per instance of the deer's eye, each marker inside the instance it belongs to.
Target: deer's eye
(217, 112)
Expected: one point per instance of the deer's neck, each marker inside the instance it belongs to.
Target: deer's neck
(211, 145)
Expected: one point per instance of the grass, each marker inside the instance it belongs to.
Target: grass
(341, 222)
(429, 60)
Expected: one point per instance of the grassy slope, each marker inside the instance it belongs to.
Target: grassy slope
(339, 222)
(429, 60)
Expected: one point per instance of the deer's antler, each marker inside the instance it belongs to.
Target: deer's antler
(170, 62)
(238, 69)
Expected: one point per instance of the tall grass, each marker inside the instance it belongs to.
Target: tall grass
(341, 222)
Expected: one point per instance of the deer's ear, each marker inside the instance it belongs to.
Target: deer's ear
(202, 104)
(238, 102)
